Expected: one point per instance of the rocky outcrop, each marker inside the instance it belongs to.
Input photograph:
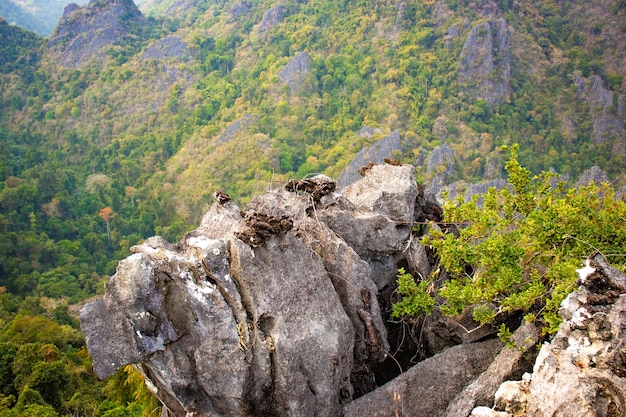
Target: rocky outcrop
(271, 18)
(181, 7)
(295, 73)
(592, 175)
(429, 386)
(440, 167)
(267, 311)
(485, 62)
(84, 33)
(236, 127)
(606, 110)
(238, 10)
(374, 153)
(582, 372)
(168, 48)
(400, 6)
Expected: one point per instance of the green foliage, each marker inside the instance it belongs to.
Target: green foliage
(518, 250)
(416, 298)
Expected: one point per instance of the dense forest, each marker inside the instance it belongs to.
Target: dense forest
(108, 137)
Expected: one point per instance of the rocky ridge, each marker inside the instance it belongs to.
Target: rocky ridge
(284, 306)
(485, 62)
(83, 33)
(266, 311)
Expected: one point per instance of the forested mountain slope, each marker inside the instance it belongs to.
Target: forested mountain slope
(40, 16)
(148, 116)
(123, 123)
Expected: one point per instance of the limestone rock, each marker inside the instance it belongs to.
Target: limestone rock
(427, 388)
(510, 363)
(512, 397)
(485, 62)
(374, 153)
(607, 112)
(593, 174)
(83, 33)
(239, 125)
(387, 204)
(181, 7)
(441, 168)
(271, 18)
(238, 9)
(582, 371)
(168, 48)
(487, 412)
(295, 73)
(267, 311)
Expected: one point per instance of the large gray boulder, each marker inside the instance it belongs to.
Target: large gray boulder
(427, 388)
(273, 310)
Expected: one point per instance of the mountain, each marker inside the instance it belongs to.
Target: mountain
(148, 116)
(39, 16)
(123, 122)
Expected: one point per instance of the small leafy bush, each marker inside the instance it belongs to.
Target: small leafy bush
(519, 249)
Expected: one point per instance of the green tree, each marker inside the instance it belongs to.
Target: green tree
(7, 354)
(51, 379)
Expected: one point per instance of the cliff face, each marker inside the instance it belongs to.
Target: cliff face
(83, 34)
(485, 62)
(267, 311)
(606, 109)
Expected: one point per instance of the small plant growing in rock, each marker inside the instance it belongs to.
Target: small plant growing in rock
(518, 250)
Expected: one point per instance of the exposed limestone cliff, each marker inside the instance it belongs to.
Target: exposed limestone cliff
(271, 18)
(376, 152)
(84, 32)
(606, 109)
(295, 73)
(282, 309)
(485, 62)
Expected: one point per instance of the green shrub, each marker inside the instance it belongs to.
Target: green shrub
(519, 249)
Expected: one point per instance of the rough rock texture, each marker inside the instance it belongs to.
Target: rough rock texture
(272, 310)
(509, 364)
(271, 18)
(167, 48)
(236, 127)
(607, 111)
(441, 165)
(400, 6)
(84, 32)
(582, 372)
(238, 9)
(485, 62)
(374, 153)
(593, 174)
(428, 387)
(294, 74)
(181, 7)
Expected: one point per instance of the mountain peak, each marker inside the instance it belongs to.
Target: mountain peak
(83, 32)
